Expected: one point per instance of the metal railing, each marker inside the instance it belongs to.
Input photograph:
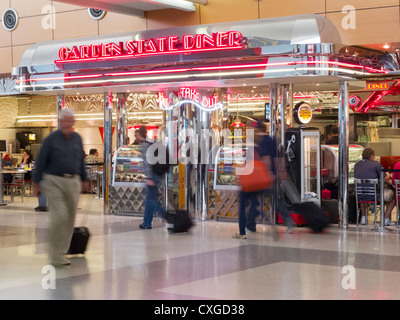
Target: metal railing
(381, 227)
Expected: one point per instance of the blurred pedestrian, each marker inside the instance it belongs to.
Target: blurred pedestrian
(61, 167)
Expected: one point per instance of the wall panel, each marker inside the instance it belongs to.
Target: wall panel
(29, 8)
(73, 24)
(30, 31)
(228, 10)
(116, 23)
(372, 26)
(171, 18)
(337, 5)
(270, 9)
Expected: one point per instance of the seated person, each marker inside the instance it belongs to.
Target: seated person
(368, 168)
(333, 136)
(25, 161)
(6, 161)
(93, 157)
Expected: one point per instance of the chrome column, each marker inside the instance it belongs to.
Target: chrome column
(60, 105)
(273, 132)
(108, 106)
(121, 120)
(343, 153)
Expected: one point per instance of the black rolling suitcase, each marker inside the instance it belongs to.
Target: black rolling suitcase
(79, 240)
(313, 214)
(178, 221)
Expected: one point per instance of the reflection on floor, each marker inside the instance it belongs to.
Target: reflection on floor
(125, 262)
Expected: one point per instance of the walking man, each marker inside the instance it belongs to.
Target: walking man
(60, 167)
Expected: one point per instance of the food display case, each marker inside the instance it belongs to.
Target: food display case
(228, 159)
(223, 187)
(330, 159)
(128, 188)
(128, 167)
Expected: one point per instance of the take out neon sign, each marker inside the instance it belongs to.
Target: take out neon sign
(157, 46)
(189, 95)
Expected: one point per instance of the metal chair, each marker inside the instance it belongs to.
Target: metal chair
(367, 192)
(397, 195)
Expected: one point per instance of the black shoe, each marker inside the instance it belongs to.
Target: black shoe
(41, 208)
(143, 227)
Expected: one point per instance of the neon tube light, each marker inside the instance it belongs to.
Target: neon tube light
(199, 105)
(208, 68)
(217, 74)
(147, 47)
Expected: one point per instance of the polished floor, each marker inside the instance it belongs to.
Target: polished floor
(125, 262)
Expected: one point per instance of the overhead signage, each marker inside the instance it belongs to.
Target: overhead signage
(148, 47)
(379, 86)
(302, 113)
(189, 95)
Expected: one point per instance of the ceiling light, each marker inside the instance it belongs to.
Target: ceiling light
(386, 46)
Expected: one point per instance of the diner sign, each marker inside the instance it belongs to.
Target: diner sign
(155, 46)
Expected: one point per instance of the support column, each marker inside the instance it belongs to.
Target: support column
(273, 132)
(60, 105)
(108, 106)
(121, 120)
(343, 153)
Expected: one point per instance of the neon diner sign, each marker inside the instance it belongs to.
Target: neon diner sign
(158, 46)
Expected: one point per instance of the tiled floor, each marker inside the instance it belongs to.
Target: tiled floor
(125, 262)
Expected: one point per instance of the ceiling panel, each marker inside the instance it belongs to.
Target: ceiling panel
(135, 7)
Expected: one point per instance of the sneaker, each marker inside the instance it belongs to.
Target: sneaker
(388, 222)
(363, 220)
(141, 226)
(251, 230)
(239, 236)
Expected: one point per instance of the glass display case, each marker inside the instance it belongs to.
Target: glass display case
(228, 159)
(128, 187)
(331, 159)
(128, 167)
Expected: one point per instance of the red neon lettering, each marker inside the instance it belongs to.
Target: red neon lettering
(235, 38)
(207, 40)
(95, 50)
(151, 46)
(172, 43)
(161, 43)
(130, 46)
(74, 53)
(84, 51)
(63, 53)
(188, 42)
(140, 46)
(117, 49)
(105, 49)
(220, 39)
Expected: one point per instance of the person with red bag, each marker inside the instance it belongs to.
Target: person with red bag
(266, 151)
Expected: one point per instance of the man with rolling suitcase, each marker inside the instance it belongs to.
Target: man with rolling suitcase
(61, 167)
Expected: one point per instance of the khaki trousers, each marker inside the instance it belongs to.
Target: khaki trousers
(62, 195)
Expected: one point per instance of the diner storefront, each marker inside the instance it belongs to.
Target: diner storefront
(200, 83)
